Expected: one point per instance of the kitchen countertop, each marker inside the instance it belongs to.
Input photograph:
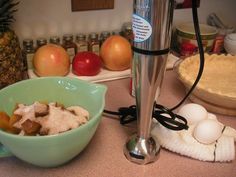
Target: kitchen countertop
(104, 157)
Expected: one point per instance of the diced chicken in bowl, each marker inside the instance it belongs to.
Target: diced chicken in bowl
(49, 150)
(48, 119)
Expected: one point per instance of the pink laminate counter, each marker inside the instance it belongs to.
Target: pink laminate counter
(104, 157)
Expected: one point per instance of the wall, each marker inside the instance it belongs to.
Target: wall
(225, 9)
(54, 17)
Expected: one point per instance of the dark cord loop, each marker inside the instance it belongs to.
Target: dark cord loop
(168, 119)
(127, 115)
(162, 114)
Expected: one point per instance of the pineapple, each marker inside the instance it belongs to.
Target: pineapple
(11, 59)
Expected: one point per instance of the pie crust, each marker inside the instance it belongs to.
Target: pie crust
(218, 82)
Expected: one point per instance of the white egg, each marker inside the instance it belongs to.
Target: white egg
(193, 113)
(211, 116)
(207, 131)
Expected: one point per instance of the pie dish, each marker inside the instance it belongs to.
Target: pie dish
(217, 86)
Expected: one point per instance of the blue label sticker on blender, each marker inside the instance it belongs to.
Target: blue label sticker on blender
(141, 28)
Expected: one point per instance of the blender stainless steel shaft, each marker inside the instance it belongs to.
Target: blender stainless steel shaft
(152, 21)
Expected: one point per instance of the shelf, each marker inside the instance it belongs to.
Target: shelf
(104, 75)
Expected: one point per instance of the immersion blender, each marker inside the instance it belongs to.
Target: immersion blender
(152, 27)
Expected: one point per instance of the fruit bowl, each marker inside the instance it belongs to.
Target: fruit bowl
(52, 150)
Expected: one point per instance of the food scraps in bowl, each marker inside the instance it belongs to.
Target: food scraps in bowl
(40, 119)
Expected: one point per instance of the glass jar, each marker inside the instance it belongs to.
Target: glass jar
(104, 35)
(116, 32)
(127, 31)
(81, 42)
(69, 46)
(40, 42)
(28, 52)
(94, 44)
(55, 40)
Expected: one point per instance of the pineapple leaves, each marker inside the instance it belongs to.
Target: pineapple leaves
(8, 14)
(7, 9)
(7, 19)
(4, 1)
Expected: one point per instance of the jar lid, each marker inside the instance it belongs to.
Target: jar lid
(116, 32)
(105, 33)
(80, 36)
(93, 36)
(28, 42)
(68, 37)
(41, 41)
(127, 26)
(55, 39)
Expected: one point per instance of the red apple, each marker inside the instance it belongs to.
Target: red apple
(86, 64)
(51, 60)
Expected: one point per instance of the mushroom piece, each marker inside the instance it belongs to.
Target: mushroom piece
(31, 127)
(40, 109)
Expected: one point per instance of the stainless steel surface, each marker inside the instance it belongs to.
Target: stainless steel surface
(149, 72)
(141, 150)
(149, 75)
(159, 14)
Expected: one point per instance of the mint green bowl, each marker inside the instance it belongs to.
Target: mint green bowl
(53, 150)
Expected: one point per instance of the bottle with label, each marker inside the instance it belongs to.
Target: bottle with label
(69, 45)
(55, 40)
(104, 35)
(94, 44)
(116, 32)
(81, 42)
(40, 42)
(28, 51)
(218, 45)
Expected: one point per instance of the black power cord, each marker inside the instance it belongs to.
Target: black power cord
(163, 115)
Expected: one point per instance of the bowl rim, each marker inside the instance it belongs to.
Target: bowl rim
(180, 27)
(56, 78)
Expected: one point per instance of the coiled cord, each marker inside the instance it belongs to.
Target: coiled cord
(163, 115)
